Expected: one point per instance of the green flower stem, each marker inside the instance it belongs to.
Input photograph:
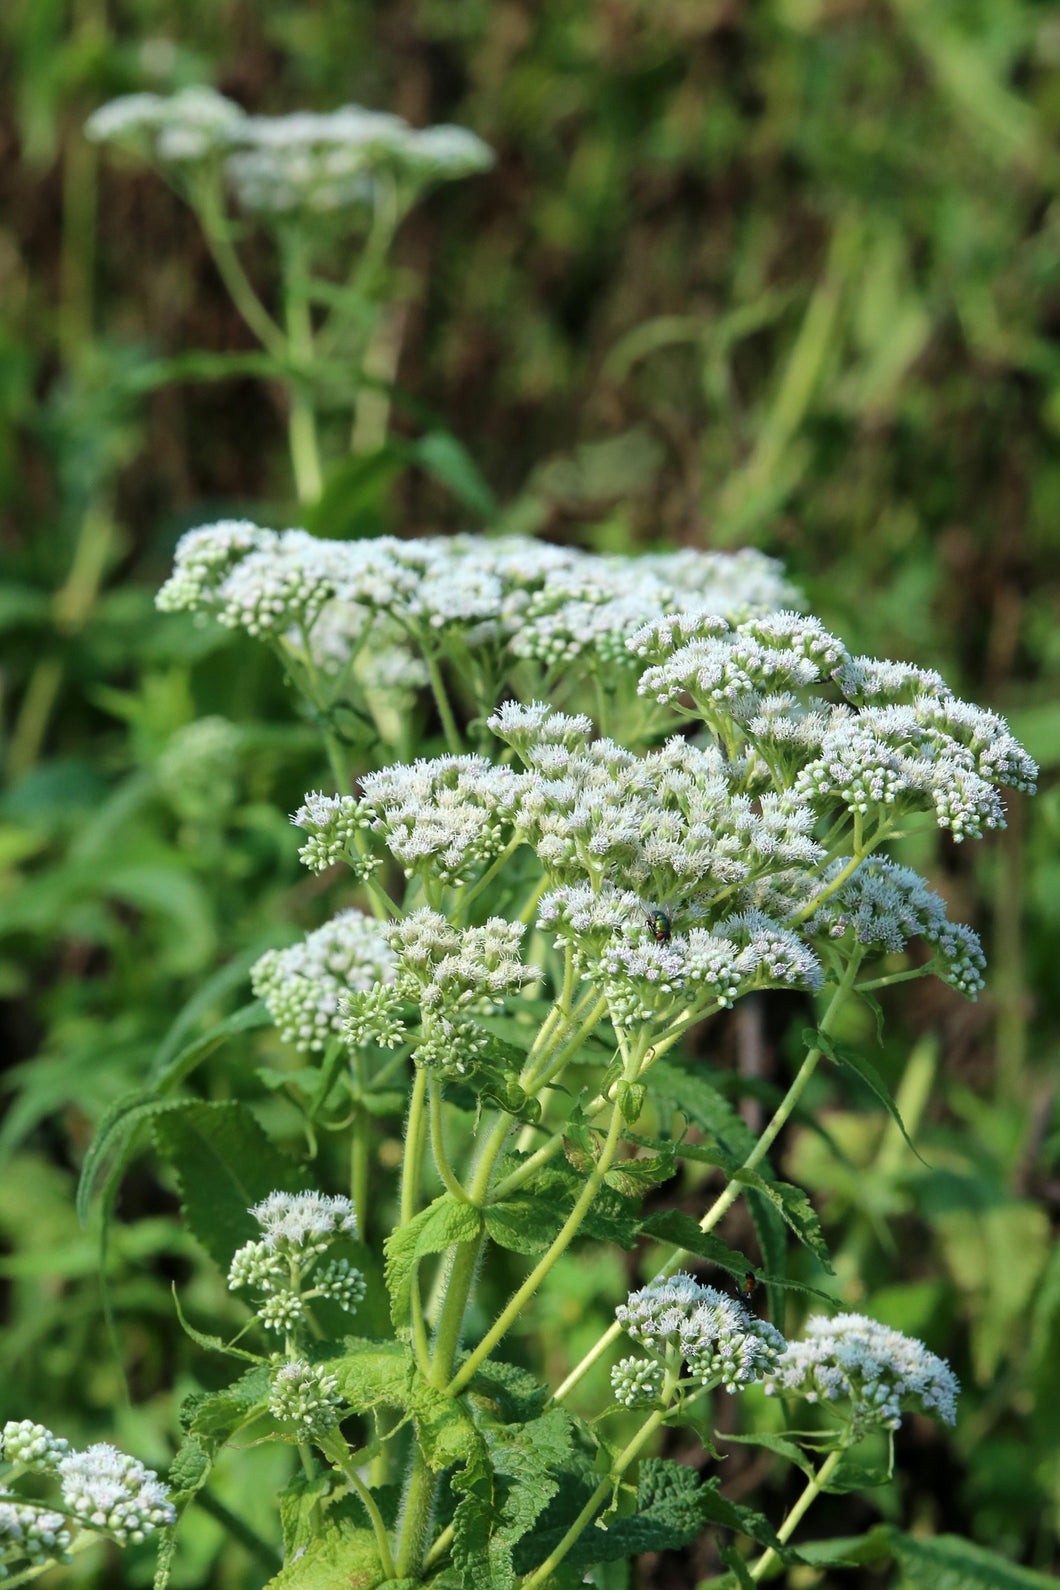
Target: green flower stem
(410, 1181)
(441, 699)
(725, 1201)
(589, 1511)
(562, 1242)
(360, 1148)
(302, 420)
(337, 1452)
(441, 1158)
(487, 877)
(788, 1527)
(230, 269)
(926, 970)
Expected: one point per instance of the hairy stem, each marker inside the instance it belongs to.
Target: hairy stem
(788, 1527)
(567, 1232)
(592, 1506)
(727, 1198)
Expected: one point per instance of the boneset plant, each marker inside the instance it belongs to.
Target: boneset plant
(663, 788)
(330, 191)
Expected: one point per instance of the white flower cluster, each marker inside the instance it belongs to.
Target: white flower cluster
(108, 1490)
(878, 1371)
(186, 126)
(719, 1340)
(306, 1396)
(30, 1533)
(615, 938)
(31, 1446)
(447, 817)
(883, 905)
(302, 986)
(304, 161)
(509, 596)
(331, 821)
(104, 1488)
(298, 1228)
(444, 967)
(894, 737)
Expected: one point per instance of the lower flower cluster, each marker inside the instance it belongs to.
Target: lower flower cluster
(100, 1489)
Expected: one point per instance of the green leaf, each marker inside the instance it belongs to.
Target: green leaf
(528, 1461)
(190, 1469)
(670, 1225)
(635, 1177)
(213, 1344)
(852, 1550)
(701, 1102)
(737, 1567)
(866, 1072)
(946, 1562)
(795, 1209)
(341, 1555)
(373, 1373)
(224, 1164)
(523, 1223)
(852, 1476)
(448, 460)
(300, 1502)
(674, 1504)
(214, 1417)
(778, 1444)
(444, 1222)
(473, 1519)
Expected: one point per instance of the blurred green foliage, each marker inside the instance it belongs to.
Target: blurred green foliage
(782, 272)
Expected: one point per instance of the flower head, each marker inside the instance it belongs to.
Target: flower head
(717, 1337)
(876, 1371)
(303, 986)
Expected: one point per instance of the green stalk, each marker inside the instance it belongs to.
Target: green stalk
(230, 268)
(723, 1203)
(441, 699)
(441, 1158)
(337, 1452)
(302, 420)
(562, 1242)
(788, 1527)
(588, 1512)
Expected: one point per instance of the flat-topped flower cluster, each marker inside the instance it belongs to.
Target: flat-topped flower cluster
(303, 162)
(679, 1322)
(504, 599)
(876, 1371)
(100, 1489)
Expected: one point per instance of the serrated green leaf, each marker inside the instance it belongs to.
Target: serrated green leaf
(523, 1223)
(444, 1222)
(190, 1469)
(946, 1562)
(341, 1554)
(696, 1098)
(300, 1501)
(473, 1519)
(224, 1164)
(866, 1072)
(214, 1417)
(795, 1209)
(671, 1225)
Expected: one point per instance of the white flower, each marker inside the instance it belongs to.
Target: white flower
(877, 1370)
(883, 905)
(108, 1490)
(303, 986)
(331, 821)
(190, 125)
(304, 1222)
(446, 817)
(718, 1338)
